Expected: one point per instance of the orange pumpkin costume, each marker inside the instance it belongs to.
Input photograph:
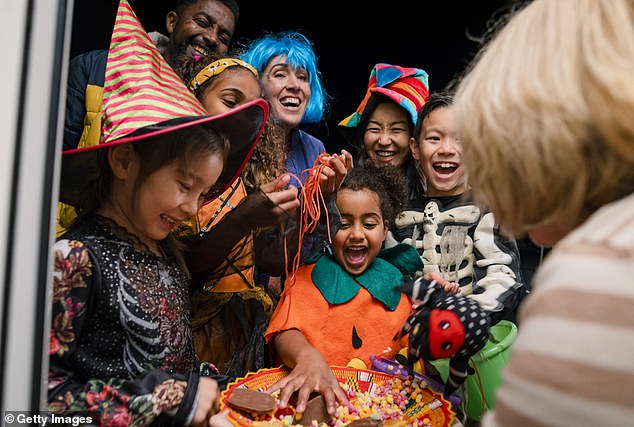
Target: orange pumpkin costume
(348, 317)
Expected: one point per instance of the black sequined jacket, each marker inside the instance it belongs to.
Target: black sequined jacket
(121, 348)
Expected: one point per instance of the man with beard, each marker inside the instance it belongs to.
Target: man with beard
(196, 28)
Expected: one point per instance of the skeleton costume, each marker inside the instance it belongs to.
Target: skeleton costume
(461, 241)
(121, 345)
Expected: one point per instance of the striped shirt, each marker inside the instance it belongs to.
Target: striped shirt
(572, 363)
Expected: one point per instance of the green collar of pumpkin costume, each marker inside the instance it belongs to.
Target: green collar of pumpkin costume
(386, 272)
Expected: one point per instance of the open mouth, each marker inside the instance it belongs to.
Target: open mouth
(445, 168)
(290, 102)
(169, 221)
(387, 157)
(199, 50)
(385, 154)
(355, 256)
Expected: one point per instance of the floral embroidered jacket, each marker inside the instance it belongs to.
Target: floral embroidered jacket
(121, 348)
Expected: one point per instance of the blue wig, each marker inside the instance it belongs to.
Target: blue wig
(299, 54)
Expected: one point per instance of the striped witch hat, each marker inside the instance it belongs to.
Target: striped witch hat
(408, 87)
(143, 97)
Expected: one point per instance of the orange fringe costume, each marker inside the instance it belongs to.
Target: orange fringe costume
(223, 333)
(231, 311)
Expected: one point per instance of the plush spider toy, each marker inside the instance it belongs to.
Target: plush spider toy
(444, 325)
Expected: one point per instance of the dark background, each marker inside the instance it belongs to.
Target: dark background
(349, 38)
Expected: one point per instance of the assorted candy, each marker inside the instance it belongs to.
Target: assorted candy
(396, 402)
(407, 400)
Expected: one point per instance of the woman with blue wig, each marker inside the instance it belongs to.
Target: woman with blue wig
(290, 80)
(291, 83)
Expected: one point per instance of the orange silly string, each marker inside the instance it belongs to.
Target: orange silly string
(312, 203)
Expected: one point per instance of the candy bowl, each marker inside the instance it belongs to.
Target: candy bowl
(376, 399)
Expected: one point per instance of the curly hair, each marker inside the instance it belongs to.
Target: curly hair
(268, 160)
(387, 181)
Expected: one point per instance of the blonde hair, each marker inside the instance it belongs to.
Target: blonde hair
(546, 113)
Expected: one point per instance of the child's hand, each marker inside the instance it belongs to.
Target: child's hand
(220, 420)
(450, 287)
(208, 402)
(280, 200)
(311, 374)
(332, 175)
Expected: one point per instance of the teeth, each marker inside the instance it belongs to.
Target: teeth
(290, 102)
(168, 219)
(384, 153)
(200, 50)
(445, 165)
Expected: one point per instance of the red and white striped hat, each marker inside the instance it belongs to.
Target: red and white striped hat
(143, 97)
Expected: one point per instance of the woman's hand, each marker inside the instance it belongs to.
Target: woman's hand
(332, 175)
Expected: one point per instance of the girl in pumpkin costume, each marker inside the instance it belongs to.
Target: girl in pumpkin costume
(345, 304)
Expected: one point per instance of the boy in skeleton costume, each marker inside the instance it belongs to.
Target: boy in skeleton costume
(455, 237)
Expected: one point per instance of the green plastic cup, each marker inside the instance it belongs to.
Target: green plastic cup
(478, 395)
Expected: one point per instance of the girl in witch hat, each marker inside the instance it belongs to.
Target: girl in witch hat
(121, 349)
